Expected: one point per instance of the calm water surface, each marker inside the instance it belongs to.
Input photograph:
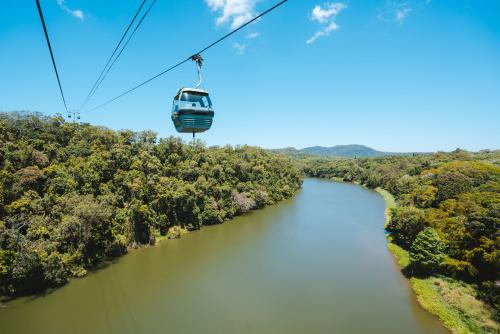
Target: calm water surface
(317, 263)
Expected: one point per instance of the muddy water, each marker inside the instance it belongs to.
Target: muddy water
(317, 263)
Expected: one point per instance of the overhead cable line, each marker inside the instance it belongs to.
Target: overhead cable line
(107, 67)
(190, 57)
(94, 87)
(126, 43)
(51, 53)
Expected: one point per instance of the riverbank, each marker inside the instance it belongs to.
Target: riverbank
(454, 302)
(247, 275)
(390, 202)
(83, 195)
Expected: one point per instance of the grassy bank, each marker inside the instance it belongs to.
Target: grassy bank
(390, 203)
(455, 303)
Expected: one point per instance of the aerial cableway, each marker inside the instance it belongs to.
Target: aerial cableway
(192, 110)
(47, 39)
(203, 121)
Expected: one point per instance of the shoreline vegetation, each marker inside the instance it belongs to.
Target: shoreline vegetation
(457, 313)
(459, 190)
(74, 196)
(390, 203)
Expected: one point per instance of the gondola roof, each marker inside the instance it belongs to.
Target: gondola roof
(191, 90)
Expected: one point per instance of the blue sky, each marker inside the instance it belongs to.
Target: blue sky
(410, 75)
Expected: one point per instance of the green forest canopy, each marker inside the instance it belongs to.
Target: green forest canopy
(73, 195)
(448, 213)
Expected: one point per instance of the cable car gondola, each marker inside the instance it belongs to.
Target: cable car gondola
(192, 110)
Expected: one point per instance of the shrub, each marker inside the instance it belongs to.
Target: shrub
(405, 224)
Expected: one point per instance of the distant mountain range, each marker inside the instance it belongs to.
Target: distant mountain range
(347, 151)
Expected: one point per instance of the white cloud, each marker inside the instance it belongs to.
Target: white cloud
(253, 35)
(324, 32)
(326, 15)
(73, 12)
(235, 12)
(398, 11)
(322, 15)
(240, 48)
(402, 13)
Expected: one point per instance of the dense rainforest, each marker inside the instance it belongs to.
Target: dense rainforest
(448, 212)
(74, 195)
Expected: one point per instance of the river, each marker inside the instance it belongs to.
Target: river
(317, 263)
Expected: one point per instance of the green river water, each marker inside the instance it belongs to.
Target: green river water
(317, 263)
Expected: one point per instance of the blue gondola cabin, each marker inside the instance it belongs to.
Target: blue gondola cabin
(192, 111)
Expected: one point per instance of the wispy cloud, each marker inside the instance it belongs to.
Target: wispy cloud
(326, 15)
(73, 12)
(253, 35)
(402, 13)
(240, 48)
(398, 11)
(234, 12)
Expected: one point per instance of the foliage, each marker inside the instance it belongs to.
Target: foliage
(75, 195)
(447, 217)
(457, 194)
(490, 292)
(456, 304)
(390, 203)
(405, 224)
(402, 256)
(427, 251)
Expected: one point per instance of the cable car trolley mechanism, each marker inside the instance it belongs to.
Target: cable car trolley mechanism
(192, 110)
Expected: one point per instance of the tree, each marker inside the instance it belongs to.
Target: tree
(427, 252)
(242, 203)
(405, 224)
(424, 196)
(30, 178)
(74, 195)
(451, 184)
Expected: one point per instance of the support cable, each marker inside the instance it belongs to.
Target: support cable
(190, 57)
(98, 80)
(51, 53)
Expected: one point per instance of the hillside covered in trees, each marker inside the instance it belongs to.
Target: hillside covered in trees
(338, 151)
(447, 217)
(73, 196)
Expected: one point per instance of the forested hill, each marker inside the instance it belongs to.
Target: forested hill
(347, 151)
(72, 196)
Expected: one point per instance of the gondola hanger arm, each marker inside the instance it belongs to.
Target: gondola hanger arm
(198, 59)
